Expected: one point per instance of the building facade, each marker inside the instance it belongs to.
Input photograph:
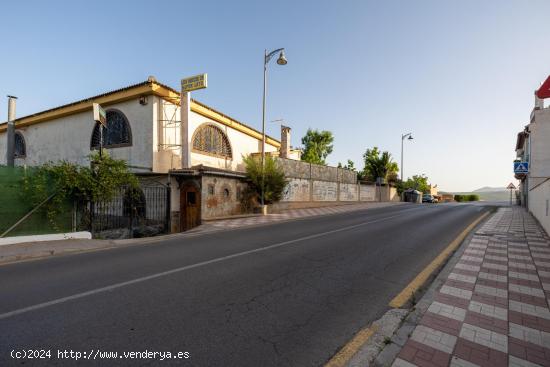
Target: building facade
(533, 147)
(196, 152)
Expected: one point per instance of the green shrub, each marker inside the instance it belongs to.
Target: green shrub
(274, 181)
(459, 198)
(473, 197)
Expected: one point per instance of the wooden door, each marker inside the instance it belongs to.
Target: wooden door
(190, 204)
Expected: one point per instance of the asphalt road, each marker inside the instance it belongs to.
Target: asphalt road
(287, 294)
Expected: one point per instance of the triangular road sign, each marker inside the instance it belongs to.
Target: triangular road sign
(511, 186)
(544, 90)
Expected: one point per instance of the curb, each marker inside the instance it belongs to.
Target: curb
(394, 327)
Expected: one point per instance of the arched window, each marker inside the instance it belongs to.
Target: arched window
(212, 140)
(20, 146)
(116, 134)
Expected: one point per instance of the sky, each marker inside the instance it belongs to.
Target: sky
(458, 75)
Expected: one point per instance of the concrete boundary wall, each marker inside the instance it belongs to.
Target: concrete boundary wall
(300, 169)
(539, 204)
(312, 183)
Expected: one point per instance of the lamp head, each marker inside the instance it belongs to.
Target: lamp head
(410, 137)
(282, 59)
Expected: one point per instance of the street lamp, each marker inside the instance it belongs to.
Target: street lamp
(280, 61)
(407, 136)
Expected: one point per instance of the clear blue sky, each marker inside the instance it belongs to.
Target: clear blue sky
(460, 75)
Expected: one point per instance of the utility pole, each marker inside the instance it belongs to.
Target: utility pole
(403, 137)
(10, 159)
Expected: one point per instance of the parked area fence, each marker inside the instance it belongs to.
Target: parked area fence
(132, 213)
(139, 212)
(19, 217)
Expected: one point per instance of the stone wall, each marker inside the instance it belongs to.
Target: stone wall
(221, 196)
(311, 184)
(300, 169)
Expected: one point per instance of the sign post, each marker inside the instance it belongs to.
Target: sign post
(187, 85)
(511, 187)
(521, 167)
(100, 116)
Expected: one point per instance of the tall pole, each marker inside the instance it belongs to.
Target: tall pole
(263, 129)
(402, 158)
(10, 158)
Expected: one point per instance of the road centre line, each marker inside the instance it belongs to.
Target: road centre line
(188, 267)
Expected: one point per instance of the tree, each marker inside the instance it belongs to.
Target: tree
(65, 182)
(317, 146)
(350, 165)
(379, 164)
(274, 181)
(417, 182)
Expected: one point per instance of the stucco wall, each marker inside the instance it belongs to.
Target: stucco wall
(218, 203)
(349, 192)
(300, 169)
(367, 192)
(68, 138)
(539, 165)
(539, 204)
(324, 191)
(297, 189)
(167, 151)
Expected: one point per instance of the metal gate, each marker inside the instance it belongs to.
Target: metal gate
(133, 212)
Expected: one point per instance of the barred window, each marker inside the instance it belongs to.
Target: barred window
(20, 146)
(116, 134)
(212, 140)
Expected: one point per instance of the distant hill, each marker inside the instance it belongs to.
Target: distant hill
(491, 189)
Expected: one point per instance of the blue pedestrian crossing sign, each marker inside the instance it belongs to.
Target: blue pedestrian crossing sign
(521, 167)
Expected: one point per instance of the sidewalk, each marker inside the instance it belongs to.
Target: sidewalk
(289, 214)
(493, 308)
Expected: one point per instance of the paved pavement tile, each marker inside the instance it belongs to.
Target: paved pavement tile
(493, 309)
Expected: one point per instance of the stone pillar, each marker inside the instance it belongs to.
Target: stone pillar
(285, 142)
(10, 133)
(185, 111)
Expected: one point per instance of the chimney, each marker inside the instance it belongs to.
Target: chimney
(285, 142)
(10, 157)
(539, 102)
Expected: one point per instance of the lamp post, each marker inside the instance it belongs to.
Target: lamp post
(280, 61)
(407, 136)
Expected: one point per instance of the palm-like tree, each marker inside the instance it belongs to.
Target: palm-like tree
(378, 165)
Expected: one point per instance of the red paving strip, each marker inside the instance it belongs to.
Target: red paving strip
(529, 321)
(543, 268)
(525, 282)
(441, 323)
(479, 354)
(522, 270)
(495, 271)
(525, 298)
(486, 322)
(468, 272)
(459, 284)
(529, 351)
(511, 228)
(469, 262)
(492, 283)
(490, 300)
(423, 355)
(452, 300)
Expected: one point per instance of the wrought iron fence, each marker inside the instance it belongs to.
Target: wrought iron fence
(142, 212)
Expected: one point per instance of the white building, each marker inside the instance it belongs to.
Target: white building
(145, 129)
(533, 147)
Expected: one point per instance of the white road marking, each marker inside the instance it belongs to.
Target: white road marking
(184, 268)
